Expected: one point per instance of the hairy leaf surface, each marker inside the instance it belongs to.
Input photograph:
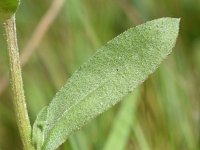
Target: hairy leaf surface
(115, 70)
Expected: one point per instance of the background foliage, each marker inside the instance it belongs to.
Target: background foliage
(166, 110)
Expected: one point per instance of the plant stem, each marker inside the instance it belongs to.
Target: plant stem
(17, 84)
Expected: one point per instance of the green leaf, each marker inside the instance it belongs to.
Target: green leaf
(123, 123)
(8, 8)
(38, 129)
(115, 70)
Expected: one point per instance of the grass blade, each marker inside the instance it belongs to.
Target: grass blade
(122, 125)
(140, 137)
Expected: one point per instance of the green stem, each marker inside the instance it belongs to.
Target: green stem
(17, 84)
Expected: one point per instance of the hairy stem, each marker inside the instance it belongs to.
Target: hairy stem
(17, 84)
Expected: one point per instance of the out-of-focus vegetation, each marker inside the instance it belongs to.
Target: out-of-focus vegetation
(166, 111)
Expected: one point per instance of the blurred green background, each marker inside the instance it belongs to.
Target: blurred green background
(163, 114)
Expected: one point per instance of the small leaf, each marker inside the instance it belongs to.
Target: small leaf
(115, 70)
(38, 129)
(8, 8)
